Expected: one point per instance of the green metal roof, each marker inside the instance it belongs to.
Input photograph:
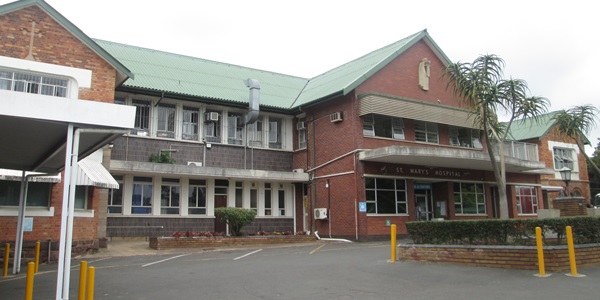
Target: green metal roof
(527, 129)
(192, 77)
(14, 6)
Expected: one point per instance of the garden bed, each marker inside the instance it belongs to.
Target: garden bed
(160, 243)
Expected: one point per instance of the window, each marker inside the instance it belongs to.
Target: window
(169, 196)
(197, 197)
(255, 134)
(281, 201)
(189, 127)
(254, 198)
(141, 200)
(527, 200)
(302, 134)
(268, 204)
(383, 126)
(212, 126)
(235, 129)
(426, 132)
(33, 84)
(166, 121)
(386, 196)
(469, 198)
(563, 157)
(142, 117)
(81, 197)
(239, 194)
(221, 187)
(38, 193)
(465, 137)
(275, 133)
(115, 197)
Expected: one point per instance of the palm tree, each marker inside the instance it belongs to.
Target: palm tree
(481, 86)
(575, 123)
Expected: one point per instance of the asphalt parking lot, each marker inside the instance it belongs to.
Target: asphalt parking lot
(320, 270)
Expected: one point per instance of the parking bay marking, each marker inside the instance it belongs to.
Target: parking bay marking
(166, 259)
(247, 254)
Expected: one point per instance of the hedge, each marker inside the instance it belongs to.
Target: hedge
(504, 232)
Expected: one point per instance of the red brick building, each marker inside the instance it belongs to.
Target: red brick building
(376, 141)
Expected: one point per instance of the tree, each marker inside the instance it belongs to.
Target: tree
(486, 93)
(235, 217)
(575, 123)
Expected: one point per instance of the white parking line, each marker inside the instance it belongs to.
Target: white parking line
(247, 254)
(156, 262)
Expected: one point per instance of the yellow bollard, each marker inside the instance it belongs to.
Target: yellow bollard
(82, 279)
(540, 252)
(572, 254)
(393, 239)
(6, 257)
(29, 283)
(37, 256)
(89, 290)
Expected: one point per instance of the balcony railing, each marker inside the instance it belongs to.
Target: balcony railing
(520, 150)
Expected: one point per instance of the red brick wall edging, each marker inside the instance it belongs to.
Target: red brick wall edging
(556, 258)
(160, 243)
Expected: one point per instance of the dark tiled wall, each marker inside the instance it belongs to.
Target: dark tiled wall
(224, 156)
(269, 225)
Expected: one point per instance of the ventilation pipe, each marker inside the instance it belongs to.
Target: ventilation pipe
(253, 102)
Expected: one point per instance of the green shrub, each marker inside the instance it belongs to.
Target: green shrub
(164, 157)
(235, 217)
(504, 232)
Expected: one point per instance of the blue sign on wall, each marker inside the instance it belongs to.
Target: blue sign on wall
(28, 224)
(362, 206)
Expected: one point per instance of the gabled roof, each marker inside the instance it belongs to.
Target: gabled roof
(187, 76)
(14, 6)
(532, 129)
(528, 129)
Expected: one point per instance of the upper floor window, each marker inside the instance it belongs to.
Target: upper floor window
(301, 127)
(275, 139)
(190, 124)
(142, 117)
(33, 84)
(235, 129)
(426, 132)
(212, 126)
(166, 121)
(255, 133)
(563, 157)
(465, 137)
(383, 126)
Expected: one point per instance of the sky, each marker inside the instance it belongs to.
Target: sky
(553, 45)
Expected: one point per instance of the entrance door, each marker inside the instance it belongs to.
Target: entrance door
(220, 201)
(423, 207)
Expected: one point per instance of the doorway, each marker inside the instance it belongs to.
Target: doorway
(220, 201)
(423, 205)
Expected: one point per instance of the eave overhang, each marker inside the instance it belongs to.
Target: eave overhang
(150, 169)
(448, 158)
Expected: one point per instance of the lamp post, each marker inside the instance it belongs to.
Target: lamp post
(565, 174)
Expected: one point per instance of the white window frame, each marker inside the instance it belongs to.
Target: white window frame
(235, 128)
(197, 184)
(9, 79)
(429, 130)
(189, 128)
(143, 185)
(479, 198)
(166, 120)
(212, 129)
(255, 134)
(172, 203)
(534, 199)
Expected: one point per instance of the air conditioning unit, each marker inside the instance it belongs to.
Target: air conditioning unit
(320, 213)
(301, 125)
(335, 117)
(211, 117)
(194, 163)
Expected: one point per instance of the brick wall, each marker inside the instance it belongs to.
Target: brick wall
(571, 207)
(200, 242)
(556, 258)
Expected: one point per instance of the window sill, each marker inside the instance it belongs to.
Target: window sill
(7, 211)
(83, 213)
